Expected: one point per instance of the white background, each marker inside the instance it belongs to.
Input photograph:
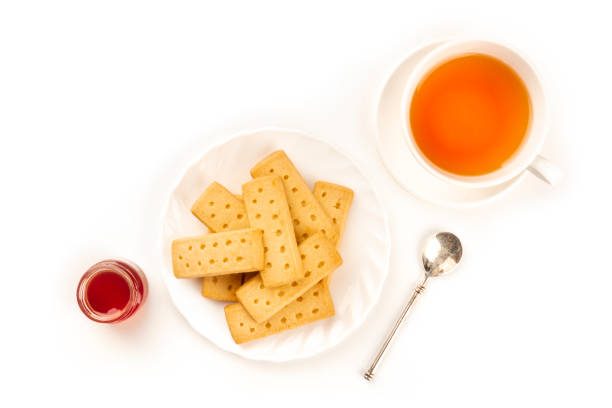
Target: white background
(103, 103)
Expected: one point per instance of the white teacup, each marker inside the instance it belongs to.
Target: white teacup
(526, 157)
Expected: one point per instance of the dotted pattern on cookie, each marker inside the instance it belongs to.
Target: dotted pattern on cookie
(232, 217)
(308, 216)
(336, 200)
(218, 254)
(220, 210)
(320, 259)
(222, 287)
(267, 209)
(315, 304)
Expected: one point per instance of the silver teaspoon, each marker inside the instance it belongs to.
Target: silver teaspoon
(441, 255)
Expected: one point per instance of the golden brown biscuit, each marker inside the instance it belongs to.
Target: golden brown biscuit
(220, 253)
(336, 201)
(319, 256)
(307, 213)
(315, 304)
(222, 287)
(220, 210)
(267, 209)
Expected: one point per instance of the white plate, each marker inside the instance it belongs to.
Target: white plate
(398, 158)
(355, 286)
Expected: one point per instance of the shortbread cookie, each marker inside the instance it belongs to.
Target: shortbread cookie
(315, 304)
(319, 257)
(307, 213)
(222, 287)
(220, 210)
(336, 201)
(220, 253)
(267, 209)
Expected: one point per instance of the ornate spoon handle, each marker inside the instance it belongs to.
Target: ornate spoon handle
(369, 375)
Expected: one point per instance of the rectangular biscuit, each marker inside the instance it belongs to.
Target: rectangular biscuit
(315, 304)
(222, 287)
(320, 258)
(307, 213)
(336, 200)
(267, 209)
(220, 253)
(220, 210)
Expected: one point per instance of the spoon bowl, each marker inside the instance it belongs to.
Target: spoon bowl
(441, 254)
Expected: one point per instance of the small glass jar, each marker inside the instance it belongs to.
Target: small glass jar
(112, 290)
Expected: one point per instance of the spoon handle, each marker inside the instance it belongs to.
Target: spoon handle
(369, 375)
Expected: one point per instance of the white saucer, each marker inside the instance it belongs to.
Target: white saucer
(400, 162)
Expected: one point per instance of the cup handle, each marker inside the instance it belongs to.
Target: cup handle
(546, 171)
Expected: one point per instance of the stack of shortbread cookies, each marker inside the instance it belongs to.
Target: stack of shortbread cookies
(273, 249)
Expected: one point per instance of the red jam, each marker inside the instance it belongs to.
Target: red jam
(107, 293)
(111, 291)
